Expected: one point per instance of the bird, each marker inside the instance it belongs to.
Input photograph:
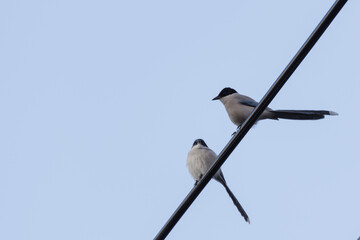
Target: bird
(240, 106)
(200, 158)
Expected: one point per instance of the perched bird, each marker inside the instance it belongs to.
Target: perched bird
(199, 160)
(240, 106)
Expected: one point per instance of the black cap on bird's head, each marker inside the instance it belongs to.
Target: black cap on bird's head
(225, 92)
(199, 141)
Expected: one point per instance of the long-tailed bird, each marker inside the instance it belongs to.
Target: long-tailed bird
(240, 106)
(199, 160)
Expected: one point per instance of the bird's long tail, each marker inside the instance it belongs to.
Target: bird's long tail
(302, 114)
(236, 202)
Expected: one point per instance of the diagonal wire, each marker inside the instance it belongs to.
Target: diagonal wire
(249, 122)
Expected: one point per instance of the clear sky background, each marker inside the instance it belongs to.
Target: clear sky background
(101, 101)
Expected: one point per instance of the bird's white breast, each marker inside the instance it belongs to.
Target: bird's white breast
(199, 161)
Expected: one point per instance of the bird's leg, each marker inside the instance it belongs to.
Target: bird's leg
(197, 181)
(236, 130)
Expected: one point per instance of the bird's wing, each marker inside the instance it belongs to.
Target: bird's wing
(248, 102)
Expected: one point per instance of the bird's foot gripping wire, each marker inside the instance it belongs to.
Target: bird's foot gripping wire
(237, 129)
(197, 181)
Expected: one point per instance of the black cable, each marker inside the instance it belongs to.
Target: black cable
(249, 122)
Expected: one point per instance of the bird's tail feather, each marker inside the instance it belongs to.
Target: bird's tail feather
(302, 114)
(236, 202)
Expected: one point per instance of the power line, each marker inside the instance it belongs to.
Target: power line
(245, 127)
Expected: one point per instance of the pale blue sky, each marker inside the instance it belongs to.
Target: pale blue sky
(101, 101)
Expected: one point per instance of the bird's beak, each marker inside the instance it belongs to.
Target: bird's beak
(216, 98)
